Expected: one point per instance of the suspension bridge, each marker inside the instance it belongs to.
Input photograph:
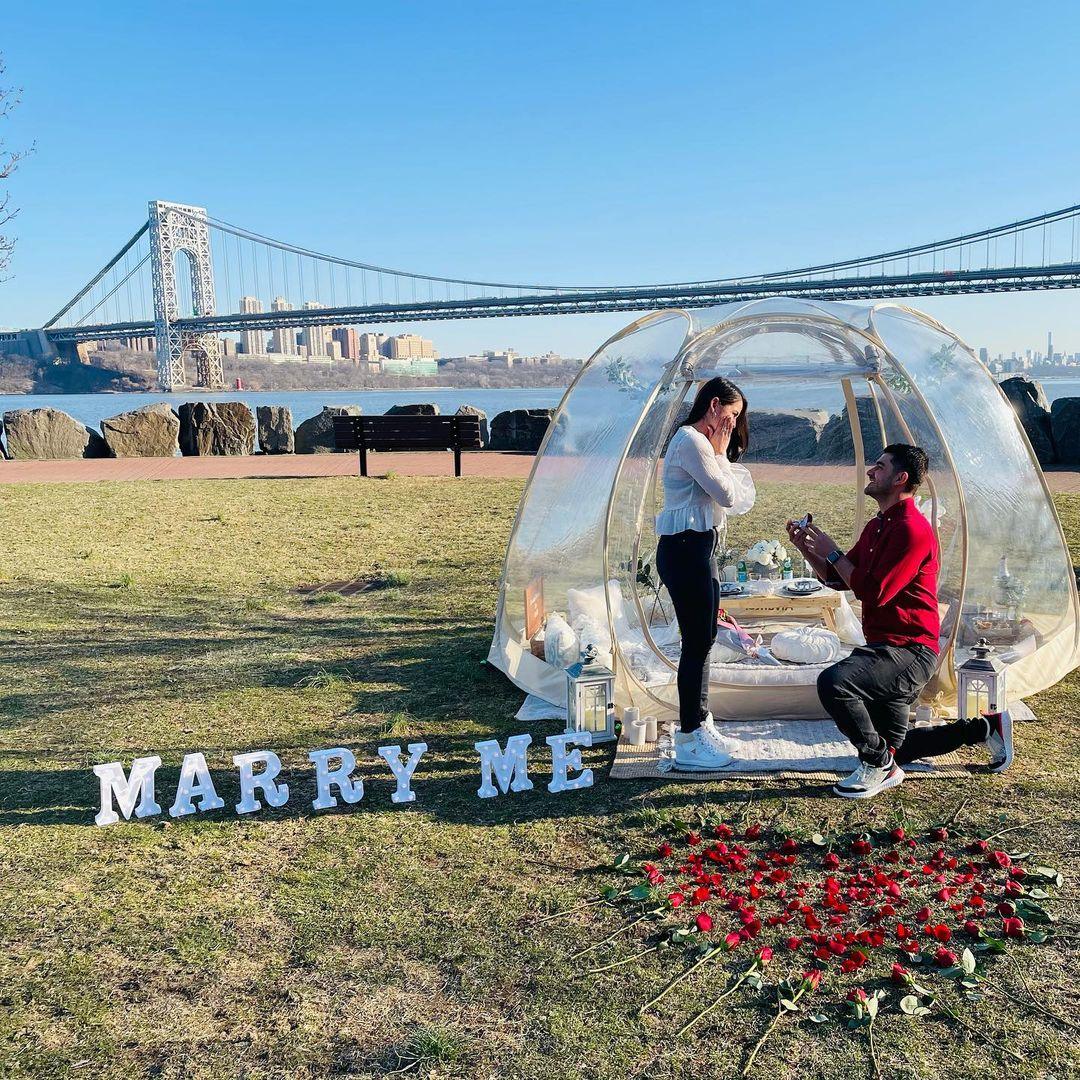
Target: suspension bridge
(185, 278)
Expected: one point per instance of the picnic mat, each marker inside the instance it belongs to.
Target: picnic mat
(791, 749)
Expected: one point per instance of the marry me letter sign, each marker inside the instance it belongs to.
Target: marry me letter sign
(135, 793)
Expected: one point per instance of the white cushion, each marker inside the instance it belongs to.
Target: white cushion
(590, 604)
(807, 645)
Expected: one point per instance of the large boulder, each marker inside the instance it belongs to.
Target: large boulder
(836, 445)
(275, 429)
(1065, 427)
(49, 434)
(224, 428)
(785, 436)
(520, 429)
(1028, 399)
(316, 436)
(152, 431)
(416, 409)
(472, 410)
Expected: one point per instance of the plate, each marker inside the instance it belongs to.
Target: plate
(805, 587)
(731, 588)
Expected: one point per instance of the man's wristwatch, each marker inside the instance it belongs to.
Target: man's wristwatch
(834, 556)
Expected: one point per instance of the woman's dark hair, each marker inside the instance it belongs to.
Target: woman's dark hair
(729, 394)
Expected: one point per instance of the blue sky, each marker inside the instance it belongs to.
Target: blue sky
(584, 142)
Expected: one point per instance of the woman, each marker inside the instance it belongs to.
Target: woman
(702, 485)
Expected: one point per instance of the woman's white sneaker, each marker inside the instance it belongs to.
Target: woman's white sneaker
(868, 780)
(695, 752)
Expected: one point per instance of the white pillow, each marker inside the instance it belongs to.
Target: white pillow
(807, 645)
(561, 646)
(590, 604)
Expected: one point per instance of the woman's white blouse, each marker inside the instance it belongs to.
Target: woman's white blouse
(701, 487)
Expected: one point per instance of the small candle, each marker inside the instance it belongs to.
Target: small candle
(650, 728)
(629, 718)
(635, 731)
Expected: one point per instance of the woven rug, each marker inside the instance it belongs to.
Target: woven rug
(790, 749)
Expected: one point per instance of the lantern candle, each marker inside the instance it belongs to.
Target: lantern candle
(590, 698)
(980, 683)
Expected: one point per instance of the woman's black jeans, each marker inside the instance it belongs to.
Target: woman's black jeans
(686, 563)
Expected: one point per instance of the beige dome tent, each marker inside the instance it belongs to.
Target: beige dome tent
(586, 517)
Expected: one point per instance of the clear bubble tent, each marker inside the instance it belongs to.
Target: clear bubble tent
(586, 518)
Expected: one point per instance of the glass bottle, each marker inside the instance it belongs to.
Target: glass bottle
(740, 571)
(788, 572)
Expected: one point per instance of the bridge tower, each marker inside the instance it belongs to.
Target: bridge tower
(175, 227)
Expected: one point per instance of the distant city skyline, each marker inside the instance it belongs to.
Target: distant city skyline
(775, 157)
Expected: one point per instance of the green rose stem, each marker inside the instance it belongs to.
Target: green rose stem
(769, 1030)
(936, 1004)
(1032, 1004)
(726, 994)
(873, 1049)
(620, 963)
(581, 907)
(610, 937)
(678, 979)
(1013, 828)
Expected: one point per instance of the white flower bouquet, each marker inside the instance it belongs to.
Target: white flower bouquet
(766, 556)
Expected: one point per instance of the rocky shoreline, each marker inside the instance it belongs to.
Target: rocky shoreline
(230, 428)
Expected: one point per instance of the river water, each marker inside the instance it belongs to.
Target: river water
(91, 409)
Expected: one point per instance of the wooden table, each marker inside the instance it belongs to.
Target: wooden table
(771, 603)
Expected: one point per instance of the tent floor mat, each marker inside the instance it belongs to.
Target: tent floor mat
(788, 749)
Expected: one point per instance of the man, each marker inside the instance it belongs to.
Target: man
(892, 570)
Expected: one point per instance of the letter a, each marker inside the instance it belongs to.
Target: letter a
(511, 768)
(139, 785)
(195, 783)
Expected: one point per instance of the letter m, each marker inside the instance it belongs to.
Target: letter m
(511, 767)
(126, 789)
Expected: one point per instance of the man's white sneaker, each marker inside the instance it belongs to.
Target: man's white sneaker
(999, 742)
(867, 781)
(695, 752)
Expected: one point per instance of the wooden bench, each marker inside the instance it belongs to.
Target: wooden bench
(406, 432)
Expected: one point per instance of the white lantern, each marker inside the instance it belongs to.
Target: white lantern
(980, 683)
(590, 698)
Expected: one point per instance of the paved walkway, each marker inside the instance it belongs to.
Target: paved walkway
(488, 464)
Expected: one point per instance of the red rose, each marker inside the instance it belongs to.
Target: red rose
(858, 994)
(1000, 859)
(972, 927)
(1017, 872)
(701, 894)
(1013, 888)
(1013, 927)
(764, 955)
(977, 847)
(940, 933)
(676, 899)
(831, 861)
(861, 847)
(822, 953)
(944, 957)
(922, 915)
(753, 832)
(812, 979)
(941, 835)
(664, 850)
(704, 922)
(724, 831)
(789, 846)
(902, 931)
(855, 961)
(898, 834)
(901, 975)
(693, 838)
(1005, 909)
(794, 943)
(976, 901)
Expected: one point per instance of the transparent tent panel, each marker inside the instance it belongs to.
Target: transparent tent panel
(587, 517)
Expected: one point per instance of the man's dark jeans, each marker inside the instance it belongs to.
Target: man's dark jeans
(869, 695)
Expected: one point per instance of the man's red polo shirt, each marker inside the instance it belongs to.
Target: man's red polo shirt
(895, 577)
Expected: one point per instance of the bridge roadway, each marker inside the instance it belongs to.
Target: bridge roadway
(649, 298)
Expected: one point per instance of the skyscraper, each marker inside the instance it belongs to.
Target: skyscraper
(314, 336)
(252, 342)
(349, 340)
(1049, 346)
(283, 340)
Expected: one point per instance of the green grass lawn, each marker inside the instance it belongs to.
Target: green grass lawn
(163, 618)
